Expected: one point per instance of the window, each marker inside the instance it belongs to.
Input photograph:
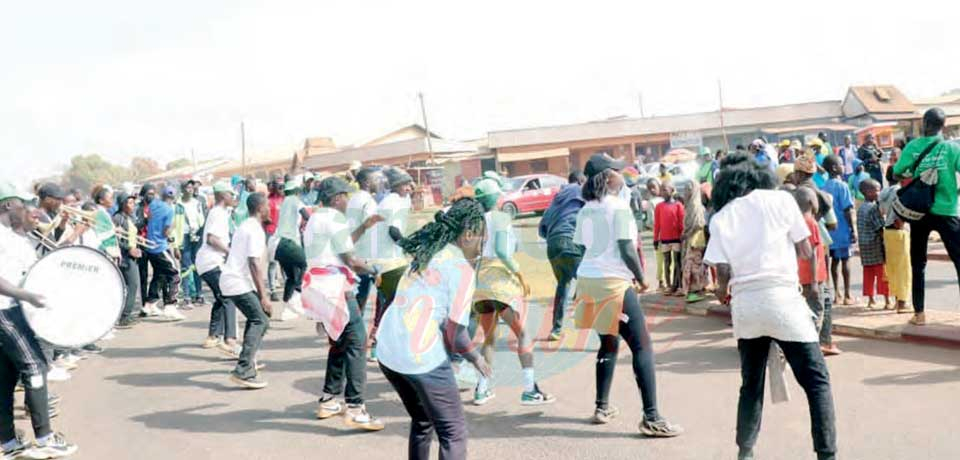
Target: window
(533, 184)
(538, 166)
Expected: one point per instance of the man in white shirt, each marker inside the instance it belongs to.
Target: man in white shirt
(328, 298)
(389, 257)
(242, 282)
(22, 357)
(289, 248)
(210, 259)
(756, 236)
(361, 216)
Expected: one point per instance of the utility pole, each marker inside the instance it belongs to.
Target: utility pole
(426, 127)
(640, 96)
(243, 151)
(723, 129)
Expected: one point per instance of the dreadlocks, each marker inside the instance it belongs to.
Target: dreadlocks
(465, 214)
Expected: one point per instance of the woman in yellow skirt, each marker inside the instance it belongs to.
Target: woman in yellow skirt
(609, 281)
(501, 294)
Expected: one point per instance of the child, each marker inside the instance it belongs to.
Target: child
(813, 272)
(896, 248)
(844, 235)
(653, 186)
(694, 243)
(856, 178)
(870, 227)
(668, 236)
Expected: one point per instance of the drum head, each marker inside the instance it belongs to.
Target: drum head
(85, 295)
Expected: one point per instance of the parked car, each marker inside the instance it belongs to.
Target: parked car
(528, 194)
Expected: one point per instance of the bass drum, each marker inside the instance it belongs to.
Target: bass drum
(84, 293)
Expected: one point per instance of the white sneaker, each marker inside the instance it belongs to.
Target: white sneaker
(58, 374)
(152, 308)
(288, 315)
(171, 313)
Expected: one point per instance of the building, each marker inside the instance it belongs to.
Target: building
(880, 110)
(950, 103)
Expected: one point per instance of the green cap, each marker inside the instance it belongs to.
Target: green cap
(705, 152)
(487, 191)
(294, 183)
(222, 186)
(8, 190)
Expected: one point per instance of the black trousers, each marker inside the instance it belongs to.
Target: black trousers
(948, 228)
(809, 368)
(166, 273)
(253, 332)
(21, 359)
(131, 277)
(364, 286)
(144, 266)
(223, 314)
(634, 332)
(347, 361)
(386, 292)
(293, 261)
(565, 257)
(433, 403)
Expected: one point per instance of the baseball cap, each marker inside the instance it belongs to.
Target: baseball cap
(601, 162)
(487, 191)
(705, 152)
(294, 183)
(50, 190)
(815, 142)
(222, 186)
(785, 143)
(333, 186)
(8, 191)
(396, 177)
(169, 191)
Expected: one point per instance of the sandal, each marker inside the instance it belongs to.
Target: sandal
(919, 319)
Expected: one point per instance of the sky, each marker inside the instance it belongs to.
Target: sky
(164, 79)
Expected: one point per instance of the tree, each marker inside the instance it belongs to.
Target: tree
(88, 170)
(141, 167)
(178, 164)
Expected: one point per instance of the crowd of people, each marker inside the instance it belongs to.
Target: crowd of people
(758, 229)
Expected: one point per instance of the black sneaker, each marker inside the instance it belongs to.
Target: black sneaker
(199, 301)
(56, 446)
(275, 297)
(92, 349)
(127, 323)
(745, 454)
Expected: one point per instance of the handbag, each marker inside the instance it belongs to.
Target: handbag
(914, 201)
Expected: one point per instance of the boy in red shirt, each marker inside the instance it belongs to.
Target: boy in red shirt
(814, 272)
(668, 236)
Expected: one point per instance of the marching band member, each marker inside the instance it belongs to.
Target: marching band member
(395, 209)
(428, 322)
(129, 255)
(163, 258)
(20, 355)
(362, 215)
(289, 252)
(328, 297)
(242, 282)
(103, 223)
(501, 294)
(210, 258)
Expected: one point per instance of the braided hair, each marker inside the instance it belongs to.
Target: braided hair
(464, 214)
(596, 186)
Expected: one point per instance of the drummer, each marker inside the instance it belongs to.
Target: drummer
(20, 354)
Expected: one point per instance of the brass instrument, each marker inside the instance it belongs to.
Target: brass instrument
(137, 239)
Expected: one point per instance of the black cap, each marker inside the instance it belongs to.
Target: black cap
(397, 176)
(51, 190)
(333, 186)
(601, 162)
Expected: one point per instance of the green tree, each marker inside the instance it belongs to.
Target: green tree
(87, 170)
(141, 167)
(178, 164)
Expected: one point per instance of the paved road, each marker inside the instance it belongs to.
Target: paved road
(154, 394)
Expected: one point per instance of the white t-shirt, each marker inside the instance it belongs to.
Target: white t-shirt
(410, 338)
(218, 225)
(756, 236)
(395, 211)
(360, 207)
(249, 241)
(18, 256)
(600, 224)
(326, 236)
(498, 221)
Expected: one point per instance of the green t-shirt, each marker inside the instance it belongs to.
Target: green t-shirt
(946, 158)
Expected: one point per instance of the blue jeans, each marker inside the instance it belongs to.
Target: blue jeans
(565, 257)
(253, 332)
(192, 287)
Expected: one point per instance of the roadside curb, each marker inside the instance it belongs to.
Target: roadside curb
(932, 334)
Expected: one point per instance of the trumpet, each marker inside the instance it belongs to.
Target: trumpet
(77, 215)
(137, 239)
